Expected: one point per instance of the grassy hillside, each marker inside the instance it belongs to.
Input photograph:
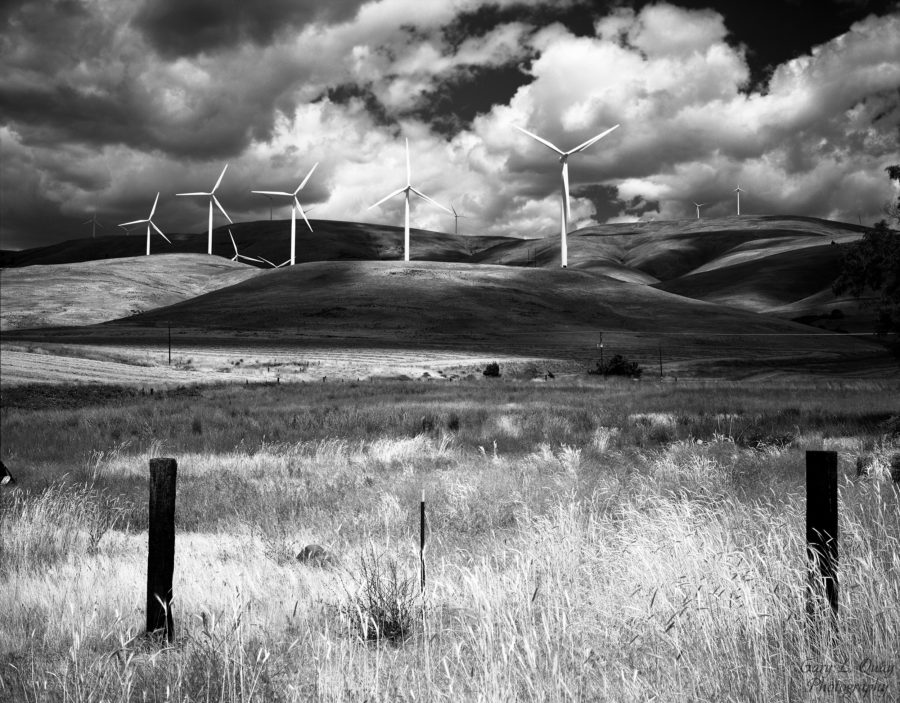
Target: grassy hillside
(96, 291)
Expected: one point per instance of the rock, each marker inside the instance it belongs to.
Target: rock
(864, 465)
(5, 476)
(316, 555)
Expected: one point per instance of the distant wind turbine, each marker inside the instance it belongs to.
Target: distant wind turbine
(238, 255)
(406, 191)
(456, 217)
(212, 199)
(739, 190)
(698, 206)
(150, 224)
(565, 211)
(295, 206)
(94, 225)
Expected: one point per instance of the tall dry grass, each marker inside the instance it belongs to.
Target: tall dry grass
(576, 551)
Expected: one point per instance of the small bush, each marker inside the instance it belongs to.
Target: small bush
(383, 608)
(492, 370)
(618, 366)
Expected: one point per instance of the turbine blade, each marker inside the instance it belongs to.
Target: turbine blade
(268, 262)
(98, 224)
(408, 171)
(180, 194)
(133, 222)
(585, 145)
(542, 141)
(233, 243)
(422, 195)
(153, 209)
(272, 192)
(387, 197)
(248, 258)
(87, 222)
(283, 263)
(153, 225)
(166, 238)
(300, 187)
(220, 180)
(302, 214)
(219, 205)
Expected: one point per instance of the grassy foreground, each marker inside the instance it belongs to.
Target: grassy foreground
(605, 541)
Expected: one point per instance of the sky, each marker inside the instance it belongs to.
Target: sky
(104, 103)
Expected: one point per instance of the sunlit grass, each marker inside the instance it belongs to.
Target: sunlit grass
(582, 545)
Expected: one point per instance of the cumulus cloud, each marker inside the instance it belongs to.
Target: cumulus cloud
(271, 90)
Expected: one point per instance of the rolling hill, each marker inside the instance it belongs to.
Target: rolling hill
(697, 283)
(96, 291)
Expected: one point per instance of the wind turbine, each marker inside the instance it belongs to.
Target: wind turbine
(212, 199)
(565, 211)
(94, 224)
(739, 190)
(456, 217)
(150, 224)
(406, 191)
(295, 206)
(238, 255)
(698, 206)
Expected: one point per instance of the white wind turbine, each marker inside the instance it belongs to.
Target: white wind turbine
(698, 206)
(739, 190)
(150, 224)
(406, 191)
(295, 206)
(212, 199)
(94, 225)
(456, 217)
(565, 211)
(238, 255)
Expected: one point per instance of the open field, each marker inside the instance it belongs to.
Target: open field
(587, 541)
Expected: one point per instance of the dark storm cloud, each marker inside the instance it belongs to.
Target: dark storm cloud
(345, 92)
(452, 105)
(190, 27)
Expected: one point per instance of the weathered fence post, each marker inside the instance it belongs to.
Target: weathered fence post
(822, 530)
(161, 549)
(422, 539)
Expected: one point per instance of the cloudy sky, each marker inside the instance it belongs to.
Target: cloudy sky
(105, 102)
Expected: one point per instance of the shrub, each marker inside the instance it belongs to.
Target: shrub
(618, 366)
(492, 370)
(383, 608)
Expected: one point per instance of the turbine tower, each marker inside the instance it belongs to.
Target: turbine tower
(456, 217)
(295, 206)
(565, 211)
(406, 191)
(94, 225)
(212, 199)
(150, 224)
(739, 190)
(698, 206)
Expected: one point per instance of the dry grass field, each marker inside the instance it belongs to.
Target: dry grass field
(587, 540)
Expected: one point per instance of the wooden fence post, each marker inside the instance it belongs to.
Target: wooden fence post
(822, 530)
(161, 550)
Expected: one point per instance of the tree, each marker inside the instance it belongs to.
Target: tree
(873, 264)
